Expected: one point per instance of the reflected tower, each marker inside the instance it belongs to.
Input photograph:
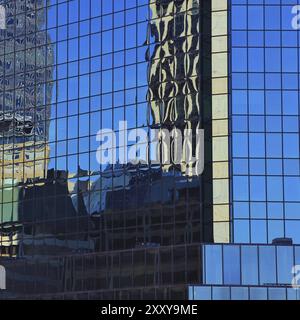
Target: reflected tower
(174, 93)
(26, 67)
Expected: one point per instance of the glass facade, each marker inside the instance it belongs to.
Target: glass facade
(94, 203)
(265, 120)
(73, 224)
(242, 293)
(249, 265)
(248, 272)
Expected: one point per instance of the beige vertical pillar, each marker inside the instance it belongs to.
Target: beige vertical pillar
(220, 127)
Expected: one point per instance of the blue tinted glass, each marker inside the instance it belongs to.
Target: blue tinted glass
(202, 293)
(267, 265)
(241, 230)
(277, 294)
(238, 293)
(213, 256)
(258, 294)
(221, 293)
(231, 256)
(285, 263)
(269, 100)
(249, 260)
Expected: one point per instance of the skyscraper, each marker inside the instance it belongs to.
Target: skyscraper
(263, 69)
(86, 211)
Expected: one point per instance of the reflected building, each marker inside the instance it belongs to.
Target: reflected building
(31, 222)
(161, 204)
(26, 90)
(26, 64)
(175, 66)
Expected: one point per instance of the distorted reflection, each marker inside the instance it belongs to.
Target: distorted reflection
(26, 66)
(174, 68)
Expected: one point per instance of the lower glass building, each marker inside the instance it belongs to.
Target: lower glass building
(225, 293)
(149, 149)
(248, 272)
